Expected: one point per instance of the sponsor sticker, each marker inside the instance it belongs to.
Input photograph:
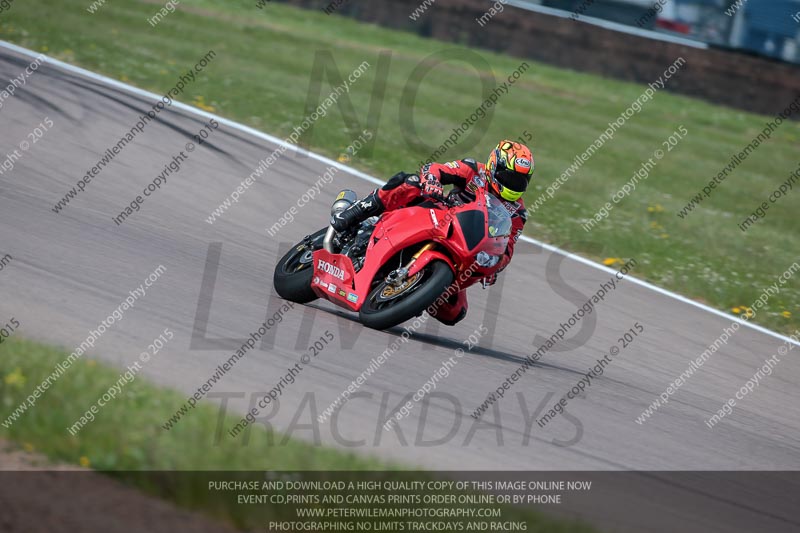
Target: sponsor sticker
(452, 164)
(332, 288)
(434, 219)
(512, 208)
(328, 268)
(342, 293)
(352, 297)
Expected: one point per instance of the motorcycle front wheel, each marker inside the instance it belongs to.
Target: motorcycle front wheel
(389, 305)
(295, 270)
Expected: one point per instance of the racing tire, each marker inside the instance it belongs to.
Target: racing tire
(436, 278)
(295, 270)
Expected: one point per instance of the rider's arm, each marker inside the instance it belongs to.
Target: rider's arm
(517, 223)
(456, 173)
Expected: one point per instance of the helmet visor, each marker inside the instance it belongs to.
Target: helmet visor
(514, 181)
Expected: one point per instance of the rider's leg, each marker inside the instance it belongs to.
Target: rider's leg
(398, 197)
(369, 206)
(453, 310)
(397, 192)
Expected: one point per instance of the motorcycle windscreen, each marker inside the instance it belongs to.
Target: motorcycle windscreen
(499, 219)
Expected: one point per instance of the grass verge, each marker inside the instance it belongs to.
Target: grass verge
(126, 439)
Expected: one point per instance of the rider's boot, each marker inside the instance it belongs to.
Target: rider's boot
(369, 206)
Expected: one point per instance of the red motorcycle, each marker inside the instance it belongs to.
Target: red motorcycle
(393, 267)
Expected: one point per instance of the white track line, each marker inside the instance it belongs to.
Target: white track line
(372, 179)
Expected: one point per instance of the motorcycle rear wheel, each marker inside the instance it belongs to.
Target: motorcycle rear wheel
(377, 314)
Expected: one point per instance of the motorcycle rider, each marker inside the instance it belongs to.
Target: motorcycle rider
(506, 175)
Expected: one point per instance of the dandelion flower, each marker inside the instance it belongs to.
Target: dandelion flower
(787, 314)
(84, 461)
(15, 378)
(609, 261)
(200, 102)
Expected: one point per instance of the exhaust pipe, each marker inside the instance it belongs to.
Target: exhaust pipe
(344, 199)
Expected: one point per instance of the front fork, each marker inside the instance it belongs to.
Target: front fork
(399, 276)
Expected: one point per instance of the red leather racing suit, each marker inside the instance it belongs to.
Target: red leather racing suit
(465, 175)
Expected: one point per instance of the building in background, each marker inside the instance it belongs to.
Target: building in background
(770, 28)
(766, 27)
(622, 11)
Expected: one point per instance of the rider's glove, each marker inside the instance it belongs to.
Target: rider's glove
(431, 186)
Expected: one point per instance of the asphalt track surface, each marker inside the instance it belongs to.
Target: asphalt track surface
(71, 270)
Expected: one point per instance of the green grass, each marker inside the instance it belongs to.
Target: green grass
(261, 78)
(127, 434)
(126, 440)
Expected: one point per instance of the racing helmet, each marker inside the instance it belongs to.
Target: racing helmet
(509, 169)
